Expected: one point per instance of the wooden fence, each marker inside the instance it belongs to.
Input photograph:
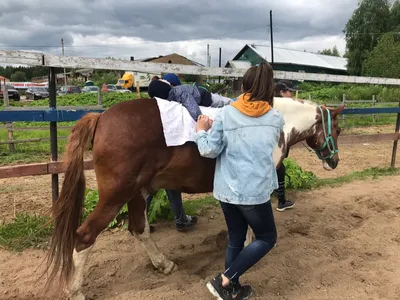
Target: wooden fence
(54, 115)
(11, 128)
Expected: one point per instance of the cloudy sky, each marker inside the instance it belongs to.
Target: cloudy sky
(123, 28)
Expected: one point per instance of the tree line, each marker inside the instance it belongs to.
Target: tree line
(373, 39)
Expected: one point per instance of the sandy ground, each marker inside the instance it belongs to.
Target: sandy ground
(337, 243)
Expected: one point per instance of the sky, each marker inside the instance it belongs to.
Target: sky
(101, 28)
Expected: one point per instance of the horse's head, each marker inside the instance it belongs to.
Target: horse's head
(324, 138)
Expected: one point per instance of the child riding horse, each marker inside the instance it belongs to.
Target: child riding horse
(191, 96)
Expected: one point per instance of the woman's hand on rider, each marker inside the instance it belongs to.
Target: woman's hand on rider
(204, 123)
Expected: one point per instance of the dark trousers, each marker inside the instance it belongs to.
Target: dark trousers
(281, 172)
(238, 217)
(175, 199)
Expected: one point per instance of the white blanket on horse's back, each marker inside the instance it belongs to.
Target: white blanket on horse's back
(179, 127)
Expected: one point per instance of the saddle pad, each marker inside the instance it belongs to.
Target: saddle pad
(179, 127)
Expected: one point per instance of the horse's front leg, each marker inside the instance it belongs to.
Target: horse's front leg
(139, 227)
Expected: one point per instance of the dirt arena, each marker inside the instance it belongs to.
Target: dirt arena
(337, 243)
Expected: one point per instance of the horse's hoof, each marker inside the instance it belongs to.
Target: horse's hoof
(169, 268)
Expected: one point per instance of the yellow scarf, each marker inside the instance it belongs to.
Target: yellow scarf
(251, 108)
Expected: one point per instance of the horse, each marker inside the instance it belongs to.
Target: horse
(130, 158)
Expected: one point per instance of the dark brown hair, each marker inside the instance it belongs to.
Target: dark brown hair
(155, 77)
(259, 83)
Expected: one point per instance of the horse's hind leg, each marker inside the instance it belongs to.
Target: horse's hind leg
(139, 227)
(105, 211)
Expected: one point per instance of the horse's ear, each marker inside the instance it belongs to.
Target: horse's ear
(338, 110)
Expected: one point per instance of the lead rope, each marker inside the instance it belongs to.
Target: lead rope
(308, 148)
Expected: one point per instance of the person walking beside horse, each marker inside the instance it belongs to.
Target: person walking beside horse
(283, 88)
(243, 138)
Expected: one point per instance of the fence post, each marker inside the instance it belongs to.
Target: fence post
(394, 152)
(374, 105)
(11, 136)
(99, 98)
(53, 132)
(137, 89)
(344, 103)
(309, 97)
(5, 96)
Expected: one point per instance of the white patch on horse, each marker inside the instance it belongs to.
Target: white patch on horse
(326, 166)
(76, 282)
(298, 116)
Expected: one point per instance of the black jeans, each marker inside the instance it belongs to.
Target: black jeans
(281, 172)
(175, 199)
(238, 217)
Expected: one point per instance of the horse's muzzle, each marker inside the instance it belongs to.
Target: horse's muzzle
(331, 163)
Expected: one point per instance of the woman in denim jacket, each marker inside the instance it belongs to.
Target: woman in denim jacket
(243, 137)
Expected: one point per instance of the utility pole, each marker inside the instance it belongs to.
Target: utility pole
(208, 58)
(219, 64)
(272, 37)
(65, 73)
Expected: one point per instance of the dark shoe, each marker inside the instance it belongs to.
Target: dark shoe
(283, 206)
(241, 292)
(189, 223)
(152, 228)
(215, 287)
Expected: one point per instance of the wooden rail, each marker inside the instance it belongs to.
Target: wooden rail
(38, 169)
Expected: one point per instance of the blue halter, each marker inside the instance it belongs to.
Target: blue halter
(328, 137)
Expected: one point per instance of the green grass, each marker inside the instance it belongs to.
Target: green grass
(32, 151)
(26, 231)
(371, 173)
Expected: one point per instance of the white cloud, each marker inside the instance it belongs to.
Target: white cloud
(125, 28)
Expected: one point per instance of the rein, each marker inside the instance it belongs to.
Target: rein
(328, 137)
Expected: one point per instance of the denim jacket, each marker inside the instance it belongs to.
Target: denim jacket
(245, 171)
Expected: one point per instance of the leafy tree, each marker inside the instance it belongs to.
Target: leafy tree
(384, 60)
(395, 17)
(332, 52)
(18, 76)
(30, 72)
(366, 25)
(105, 76)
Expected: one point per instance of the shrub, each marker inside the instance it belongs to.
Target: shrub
(297, 178)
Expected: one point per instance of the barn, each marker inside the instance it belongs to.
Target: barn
(289, 60)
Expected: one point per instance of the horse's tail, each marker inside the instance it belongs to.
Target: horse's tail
(67, 210)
